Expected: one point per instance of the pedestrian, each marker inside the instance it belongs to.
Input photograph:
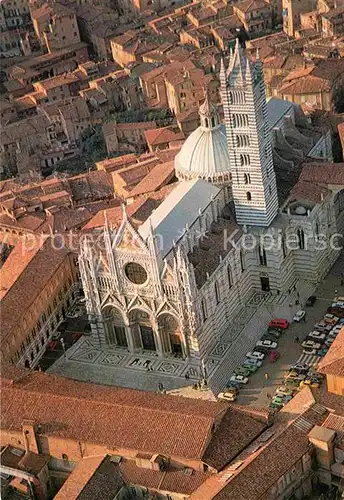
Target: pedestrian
(187, 376)
(268, 395)
(266, 375)
(160, 387)
(296, 339)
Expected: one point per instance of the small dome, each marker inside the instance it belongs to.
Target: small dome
(204, 154)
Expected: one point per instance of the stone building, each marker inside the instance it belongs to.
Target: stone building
(42, 280)
(173, 284)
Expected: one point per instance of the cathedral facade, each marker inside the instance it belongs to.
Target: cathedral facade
(238, 221)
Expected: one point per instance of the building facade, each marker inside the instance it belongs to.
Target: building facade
(174, 284)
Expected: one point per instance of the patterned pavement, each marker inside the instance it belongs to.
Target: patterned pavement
(145, 369)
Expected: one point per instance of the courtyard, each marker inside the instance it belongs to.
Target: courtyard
(145, 370)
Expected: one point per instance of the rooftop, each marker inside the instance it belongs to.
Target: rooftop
(333, 361)
(160, 423)
(180, 208)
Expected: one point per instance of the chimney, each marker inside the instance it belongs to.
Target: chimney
(29, 434)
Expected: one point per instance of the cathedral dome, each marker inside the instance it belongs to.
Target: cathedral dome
(204, 154)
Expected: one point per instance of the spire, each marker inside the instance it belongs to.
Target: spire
(124, 211)
(208, 112)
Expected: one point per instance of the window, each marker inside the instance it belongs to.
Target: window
(242, 141)
(135, 273)
(248, 196)
(229, 275)
(284, 246)
(301, 238)
(262, 255)
(204, 310)
(247, 178)
(242, 260)
(245, 160)
(217, 293)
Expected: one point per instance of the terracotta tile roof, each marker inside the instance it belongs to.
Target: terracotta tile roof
(15, 265)
(98, 478)
(94, 478)
(271, 457)
(164, 135)
(169, 425)
(26, 461)
(250, 5)
(29, 284)
(160, 175)
(308, 191)
(323, 173)
(226, 445)
(114, 216)
(333, 361)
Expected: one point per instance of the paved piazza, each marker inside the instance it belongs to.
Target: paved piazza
(145, 370)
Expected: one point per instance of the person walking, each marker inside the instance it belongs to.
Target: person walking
(296, 339)
(266, 375)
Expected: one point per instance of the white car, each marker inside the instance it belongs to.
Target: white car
(335, 330)
(255, 355)
(253, 362)
(299, 315)
(227, 396)
(317, 336)
(266, 343)
(239, 379)
(339, 304)
(311, 344)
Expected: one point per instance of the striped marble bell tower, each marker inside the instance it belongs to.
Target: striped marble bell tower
(245, 110)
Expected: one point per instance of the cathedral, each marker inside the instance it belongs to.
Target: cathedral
(238, 221)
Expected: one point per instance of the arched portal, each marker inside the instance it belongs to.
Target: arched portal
(142, 330)
(115, 331)
(170, 333)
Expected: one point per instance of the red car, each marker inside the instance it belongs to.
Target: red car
(273, 356)
(279, 323)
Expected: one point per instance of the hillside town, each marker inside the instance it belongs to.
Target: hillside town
(172, 249)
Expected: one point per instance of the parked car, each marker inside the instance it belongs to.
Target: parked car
(318, 336)
(293, 380)
(255, 355)
(310, 345)
(311, 301)
(279, 323)
(322, 351)
(335, 330)
(273, 356)
(242, 371)
(299, 316)
(282, 390)
(267, 336)
(239, 378)
(339, 304)
(275, 331)
(266, 343)
(281, 399)
(253, 362)
(323, 327)
(227, 396)
(331, 319)
(250, 368)
(302, 368)
(337, 311)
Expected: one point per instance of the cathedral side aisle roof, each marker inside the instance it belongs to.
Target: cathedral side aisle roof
(180, 208)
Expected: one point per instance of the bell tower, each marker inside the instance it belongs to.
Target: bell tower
(249, 145)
